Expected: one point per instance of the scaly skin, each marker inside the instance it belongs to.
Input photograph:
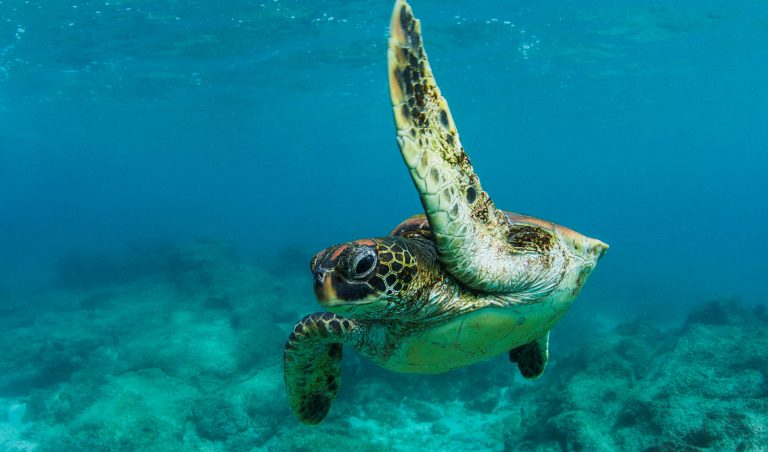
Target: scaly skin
(312, 361)
(474, 239)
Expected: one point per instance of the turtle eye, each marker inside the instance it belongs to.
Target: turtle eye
(363, 263)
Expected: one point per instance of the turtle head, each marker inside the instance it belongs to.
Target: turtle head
(371, 275)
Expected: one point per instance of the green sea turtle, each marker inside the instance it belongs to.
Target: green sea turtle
(460, 284)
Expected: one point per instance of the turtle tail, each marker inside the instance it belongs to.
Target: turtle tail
(312, 361)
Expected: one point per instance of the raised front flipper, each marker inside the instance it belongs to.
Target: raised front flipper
(312, 360)
(532, 357)
(476, 242)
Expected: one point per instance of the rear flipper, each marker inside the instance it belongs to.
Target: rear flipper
(532, 357)
(312, 361)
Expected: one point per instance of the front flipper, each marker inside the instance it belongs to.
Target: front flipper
(532, 357)
(312, 361)
(476, 241)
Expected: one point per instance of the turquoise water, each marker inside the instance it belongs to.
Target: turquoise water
(167, 170)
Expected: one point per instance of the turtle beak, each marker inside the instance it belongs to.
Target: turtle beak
(333, 290)
(323, 285)
(323, 268)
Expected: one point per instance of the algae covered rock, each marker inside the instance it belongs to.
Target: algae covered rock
(189, 345)
(241, 415)
(78, 270)
(725, 311)
(143, 410)
(46, 352)
(179, 361)
(640, 388)
(202, 265)
(216, 418)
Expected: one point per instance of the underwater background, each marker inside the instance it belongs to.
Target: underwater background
(167, 170)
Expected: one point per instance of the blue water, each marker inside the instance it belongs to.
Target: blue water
(266, 124)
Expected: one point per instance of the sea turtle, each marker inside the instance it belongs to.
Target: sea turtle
(461, 284)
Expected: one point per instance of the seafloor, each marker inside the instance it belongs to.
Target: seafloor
(180, 348)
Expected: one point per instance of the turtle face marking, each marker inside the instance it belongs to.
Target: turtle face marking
(342, 273)
(364, 275)
(395, 269)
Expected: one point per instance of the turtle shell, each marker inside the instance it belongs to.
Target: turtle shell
(530, 232)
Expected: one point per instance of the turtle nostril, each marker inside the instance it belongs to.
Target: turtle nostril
(320, 277)
(321, 292)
